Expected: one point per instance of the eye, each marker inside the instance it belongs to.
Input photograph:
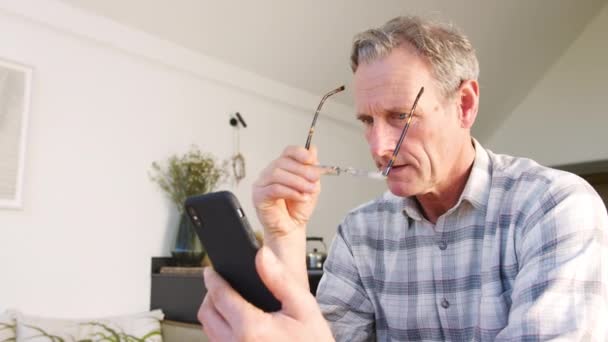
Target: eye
(366, 120)
(404, 116)
(398, 116)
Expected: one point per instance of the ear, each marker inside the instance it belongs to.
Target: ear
(468, 100)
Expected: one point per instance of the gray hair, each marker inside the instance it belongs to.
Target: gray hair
(447, 49)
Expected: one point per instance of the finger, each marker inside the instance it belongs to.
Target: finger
(278, 191)
(228, 303)
(301, 154)
(214, 325)
(308, 171)
(288, 179)
(296, 300)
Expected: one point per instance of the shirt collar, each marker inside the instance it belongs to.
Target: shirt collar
(411, 208)
(476, 190)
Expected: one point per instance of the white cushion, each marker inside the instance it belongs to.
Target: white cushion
(138, 327)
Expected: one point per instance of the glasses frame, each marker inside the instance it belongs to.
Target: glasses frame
(389, 166)
(336, 170)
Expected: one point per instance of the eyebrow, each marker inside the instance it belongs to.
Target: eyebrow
(394, 110)
(398, 110)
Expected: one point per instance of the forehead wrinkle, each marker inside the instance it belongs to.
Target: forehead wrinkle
(370, 109)
(387, 97)
(389, 84)
(393, 87)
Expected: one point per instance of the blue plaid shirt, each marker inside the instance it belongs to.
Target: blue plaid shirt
(522, 256)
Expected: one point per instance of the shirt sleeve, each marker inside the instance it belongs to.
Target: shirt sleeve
(561, 289)
(341, 296)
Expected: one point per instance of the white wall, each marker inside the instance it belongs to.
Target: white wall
(107, 101)
(564, 119)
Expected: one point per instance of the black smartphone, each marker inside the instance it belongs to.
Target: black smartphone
(224, 231)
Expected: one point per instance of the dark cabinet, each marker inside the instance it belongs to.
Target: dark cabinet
(180, 293)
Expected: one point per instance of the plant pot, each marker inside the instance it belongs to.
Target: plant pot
(188, 250)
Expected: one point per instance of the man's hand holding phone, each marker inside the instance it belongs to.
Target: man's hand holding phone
(226, 316)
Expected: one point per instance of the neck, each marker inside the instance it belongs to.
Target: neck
(445, 195)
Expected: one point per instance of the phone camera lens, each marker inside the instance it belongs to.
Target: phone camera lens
(194, 217)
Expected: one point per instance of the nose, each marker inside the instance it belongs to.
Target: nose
(381, 140)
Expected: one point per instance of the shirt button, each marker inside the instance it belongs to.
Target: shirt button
(443, 245)
(445, 304)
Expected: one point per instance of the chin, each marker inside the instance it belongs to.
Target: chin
(404, 182)
(401, 188)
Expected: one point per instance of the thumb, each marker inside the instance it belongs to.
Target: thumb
(280, 282)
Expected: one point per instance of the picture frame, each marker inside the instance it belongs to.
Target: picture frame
(15, 96)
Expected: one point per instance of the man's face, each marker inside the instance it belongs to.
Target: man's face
(386, 88)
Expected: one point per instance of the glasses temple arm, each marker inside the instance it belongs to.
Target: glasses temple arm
(314, 120)
(403, 132)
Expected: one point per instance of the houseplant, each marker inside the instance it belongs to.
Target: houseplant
(182, 176)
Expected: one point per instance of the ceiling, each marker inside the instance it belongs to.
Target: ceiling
(306, 44)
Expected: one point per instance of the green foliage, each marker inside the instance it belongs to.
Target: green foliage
(189, 174)
(43, 333)
(113, 335)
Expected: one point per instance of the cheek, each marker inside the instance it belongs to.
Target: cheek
(368, 138)
(423, 146)
(367, 133)
(437, 149)
(383, 138)
(417, 139)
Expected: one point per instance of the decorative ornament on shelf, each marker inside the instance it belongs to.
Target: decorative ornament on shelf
(182, 176)
(238, 160)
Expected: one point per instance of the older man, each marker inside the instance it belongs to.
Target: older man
(466, 245)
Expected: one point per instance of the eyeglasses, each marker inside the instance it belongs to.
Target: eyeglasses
(337, 170)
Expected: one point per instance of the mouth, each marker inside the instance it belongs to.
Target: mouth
(394, 167)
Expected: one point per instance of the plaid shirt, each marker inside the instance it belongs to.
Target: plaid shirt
(522, 256)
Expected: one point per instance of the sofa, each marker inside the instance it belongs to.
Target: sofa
(148, 326)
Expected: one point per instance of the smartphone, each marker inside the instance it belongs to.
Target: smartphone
(224, 232)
